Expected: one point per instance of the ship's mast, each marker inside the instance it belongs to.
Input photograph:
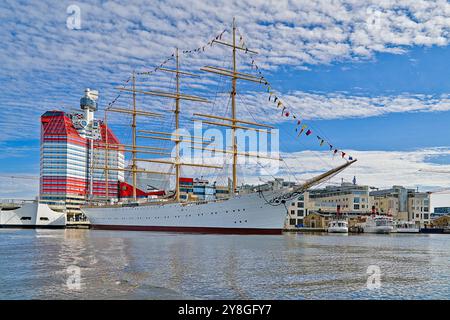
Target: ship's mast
(176, 137)
(133, 127)
(106, 154)
(133, 148)
(233, 122)
(233, 111)
(177, 126)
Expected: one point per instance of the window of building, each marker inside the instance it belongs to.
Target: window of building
(300, 222)
(426, 216)
(292, 222)
(292, 212)
(356, 200)
(300, 204)
(356, 206)
(300, 213)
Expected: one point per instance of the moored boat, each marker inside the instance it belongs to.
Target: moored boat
(26, 214)
(405, 227)
(338, 226)
(378, 224)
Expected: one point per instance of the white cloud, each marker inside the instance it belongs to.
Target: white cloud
(380, 169)
(18, 186)
(44, 65)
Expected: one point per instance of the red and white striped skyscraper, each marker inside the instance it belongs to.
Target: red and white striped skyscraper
(73, 151)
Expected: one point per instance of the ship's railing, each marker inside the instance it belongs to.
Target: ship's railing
(15, 201)
(154, 202)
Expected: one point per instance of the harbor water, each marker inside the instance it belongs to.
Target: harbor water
(91, 264)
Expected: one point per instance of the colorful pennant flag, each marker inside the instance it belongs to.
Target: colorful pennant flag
(302, 129)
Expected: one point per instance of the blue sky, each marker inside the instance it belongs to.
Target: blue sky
(371, 77)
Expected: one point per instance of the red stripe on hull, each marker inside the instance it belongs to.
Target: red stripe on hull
(189, 229)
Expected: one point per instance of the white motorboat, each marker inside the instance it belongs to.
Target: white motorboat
(338, 226)
(378, 224)
(406, 227)
(26, 214)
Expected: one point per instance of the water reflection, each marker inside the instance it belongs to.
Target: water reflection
(145, 265)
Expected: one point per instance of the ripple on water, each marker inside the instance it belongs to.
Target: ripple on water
(146, 265)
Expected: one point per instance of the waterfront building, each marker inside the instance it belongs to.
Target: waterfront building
(352, 200)
(297, 211)
(276, 184)
(393, 201)
(403, 204)
(439, 203)
(419, 208)
(441, 222)
(316, 220)
(202, 190)
(73, 151)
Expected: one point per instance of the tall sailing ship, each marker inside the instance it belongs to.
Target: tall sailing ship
(258, 211)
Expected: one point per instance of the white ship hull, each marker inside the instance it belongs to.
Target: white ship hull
(378, 229)
(32, 215)
(378, 224)
(338, 226)
(405, 227)
(337, 230)
(407, 230)
(245, 214)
